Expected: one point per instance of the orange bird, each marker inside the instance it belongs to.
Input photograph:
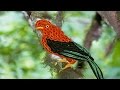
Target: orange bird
(56, 42)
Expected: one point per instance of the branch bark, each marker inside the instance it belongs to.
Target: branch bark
(94, 31)
(113, 19)
(59, 18)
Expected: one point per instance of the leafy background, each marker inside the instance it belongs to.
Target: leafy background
(21, 55)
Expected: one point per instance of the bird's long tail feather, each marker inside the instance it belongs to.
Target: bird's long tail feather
(96, 70)
(77, 56)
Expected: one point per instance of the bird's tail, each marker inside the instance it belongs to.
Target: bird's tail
(96, 70)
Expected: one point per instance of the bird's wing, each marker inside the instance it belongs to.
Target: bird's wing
(75, 51)
(58, 47)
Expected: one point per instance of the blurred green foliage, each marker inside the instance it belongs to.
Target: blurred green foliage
(21, 54)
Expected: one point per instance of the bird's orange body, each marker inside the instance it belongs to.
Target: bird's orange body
(52, 32)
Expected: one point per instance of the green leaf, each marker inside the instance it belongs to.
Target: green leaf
(116, 55)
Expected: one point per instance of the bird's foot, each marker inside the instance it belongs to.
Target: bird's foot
(62, 61)
(69, 65)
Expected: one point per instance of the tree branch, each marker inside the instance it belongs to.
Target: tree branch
(94, 31)
(59, 18)
(113, 19)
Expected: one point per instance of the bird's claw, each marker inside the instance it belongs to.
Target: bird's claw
(62, 61)
(69, 65)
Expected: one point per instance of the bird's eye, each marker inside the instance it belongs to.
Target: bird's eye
(47, 26)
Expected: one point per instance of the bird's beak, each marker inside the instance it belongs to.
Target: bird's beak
(39, 28)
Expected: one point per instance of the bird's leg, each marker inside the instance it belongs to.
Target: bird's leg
(69, 65)
(62, 61)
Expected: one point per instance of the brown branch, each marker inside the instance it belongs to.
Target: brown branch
(41, 14)
(71, 74)
(94, 31)
(113, 19)
(27, 15)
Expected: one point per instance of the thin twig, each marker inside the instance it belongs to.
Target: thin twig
(59, 18)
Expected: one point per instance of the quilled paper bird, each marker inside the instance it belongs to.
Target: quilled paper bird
(56, 42)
